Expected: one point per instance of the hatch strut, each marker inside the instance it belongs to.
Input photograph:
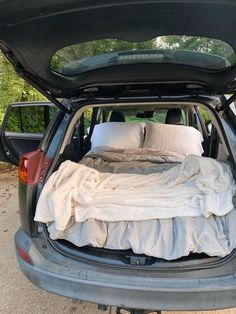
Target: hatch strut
(226, 104)
(35, 82)
(48, 95)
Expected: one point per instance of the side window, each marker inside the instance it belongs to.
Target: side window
(30, 119)
(13, 122)
(205, 115)
(87, 120)
(81, 136)
(184, 117)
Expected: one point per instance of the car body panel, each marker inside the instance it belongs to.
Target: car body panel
(84, 278)
(131, 289)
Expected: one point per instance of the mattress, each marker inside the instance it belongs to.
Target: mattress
(167, 238)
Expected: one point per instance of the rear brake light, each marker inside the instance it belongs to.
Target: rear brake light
(24, 255)
(22, 170)
(33, 167)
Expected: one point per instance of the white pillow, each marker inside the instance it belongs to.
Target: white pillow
(179, 139)
(118, 135)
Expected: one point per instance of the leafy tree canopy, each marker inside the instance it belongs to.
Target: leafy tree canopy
(94, 48)
(200, 44)
(13, 88)
(98, 47)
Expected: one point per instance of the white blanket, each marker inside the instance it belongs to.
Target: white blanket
(163, 238)
(197, 187)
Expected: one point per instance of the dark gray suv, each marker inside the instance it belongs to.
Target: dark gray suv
(135, 90)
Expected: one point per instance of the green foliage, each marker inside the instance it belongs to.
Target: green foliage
(30, 119)
(98, 47)
(13, 88)
(200, 44)
(5, 166)
(87, 119)
(94, 48)
(158, 117)
(13, 124)
(205, 115)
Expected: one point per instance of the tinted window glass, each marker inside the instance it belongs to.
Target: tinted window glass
(157, 116)
(30, 119)
(191, 50)
(87, 120)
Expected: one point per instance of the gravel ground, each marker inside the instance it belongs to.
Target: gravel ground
(17, 294)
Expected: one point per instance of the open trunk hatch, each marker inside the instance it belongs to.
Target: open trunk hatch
(26, 32)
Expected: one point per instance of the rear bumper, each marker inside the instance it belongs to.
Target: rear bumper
(77, 280)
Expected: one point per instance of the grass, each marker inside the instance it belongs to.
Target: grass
(5, 166)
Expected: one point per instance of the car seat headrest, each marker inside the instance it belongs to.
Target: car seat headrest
(117, 116)
(174, 116)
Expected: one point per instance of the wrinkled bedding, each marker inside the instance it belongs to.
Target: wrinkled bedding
(163, 238)
(161, 218)
(126, 155)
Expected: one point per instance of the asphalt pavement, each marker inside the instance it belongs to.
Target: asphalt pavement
(17, 294)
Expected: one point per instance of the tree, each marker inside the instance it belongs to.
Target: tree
(13, 88)
(199, 44)
(94, 48)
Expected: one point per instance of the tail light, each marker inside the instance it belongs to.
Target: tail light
(22, 170)
(32, 167)
(32, 170)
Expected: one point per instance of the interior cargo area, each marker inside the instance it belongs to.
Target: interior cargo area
(142, 184)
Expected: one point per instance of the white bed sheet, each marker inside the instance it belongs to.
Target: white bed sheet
(163, 238)
(167, 238)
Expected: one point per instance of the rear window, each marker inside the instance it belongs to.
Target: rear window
(196, 51)
(157, 116)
